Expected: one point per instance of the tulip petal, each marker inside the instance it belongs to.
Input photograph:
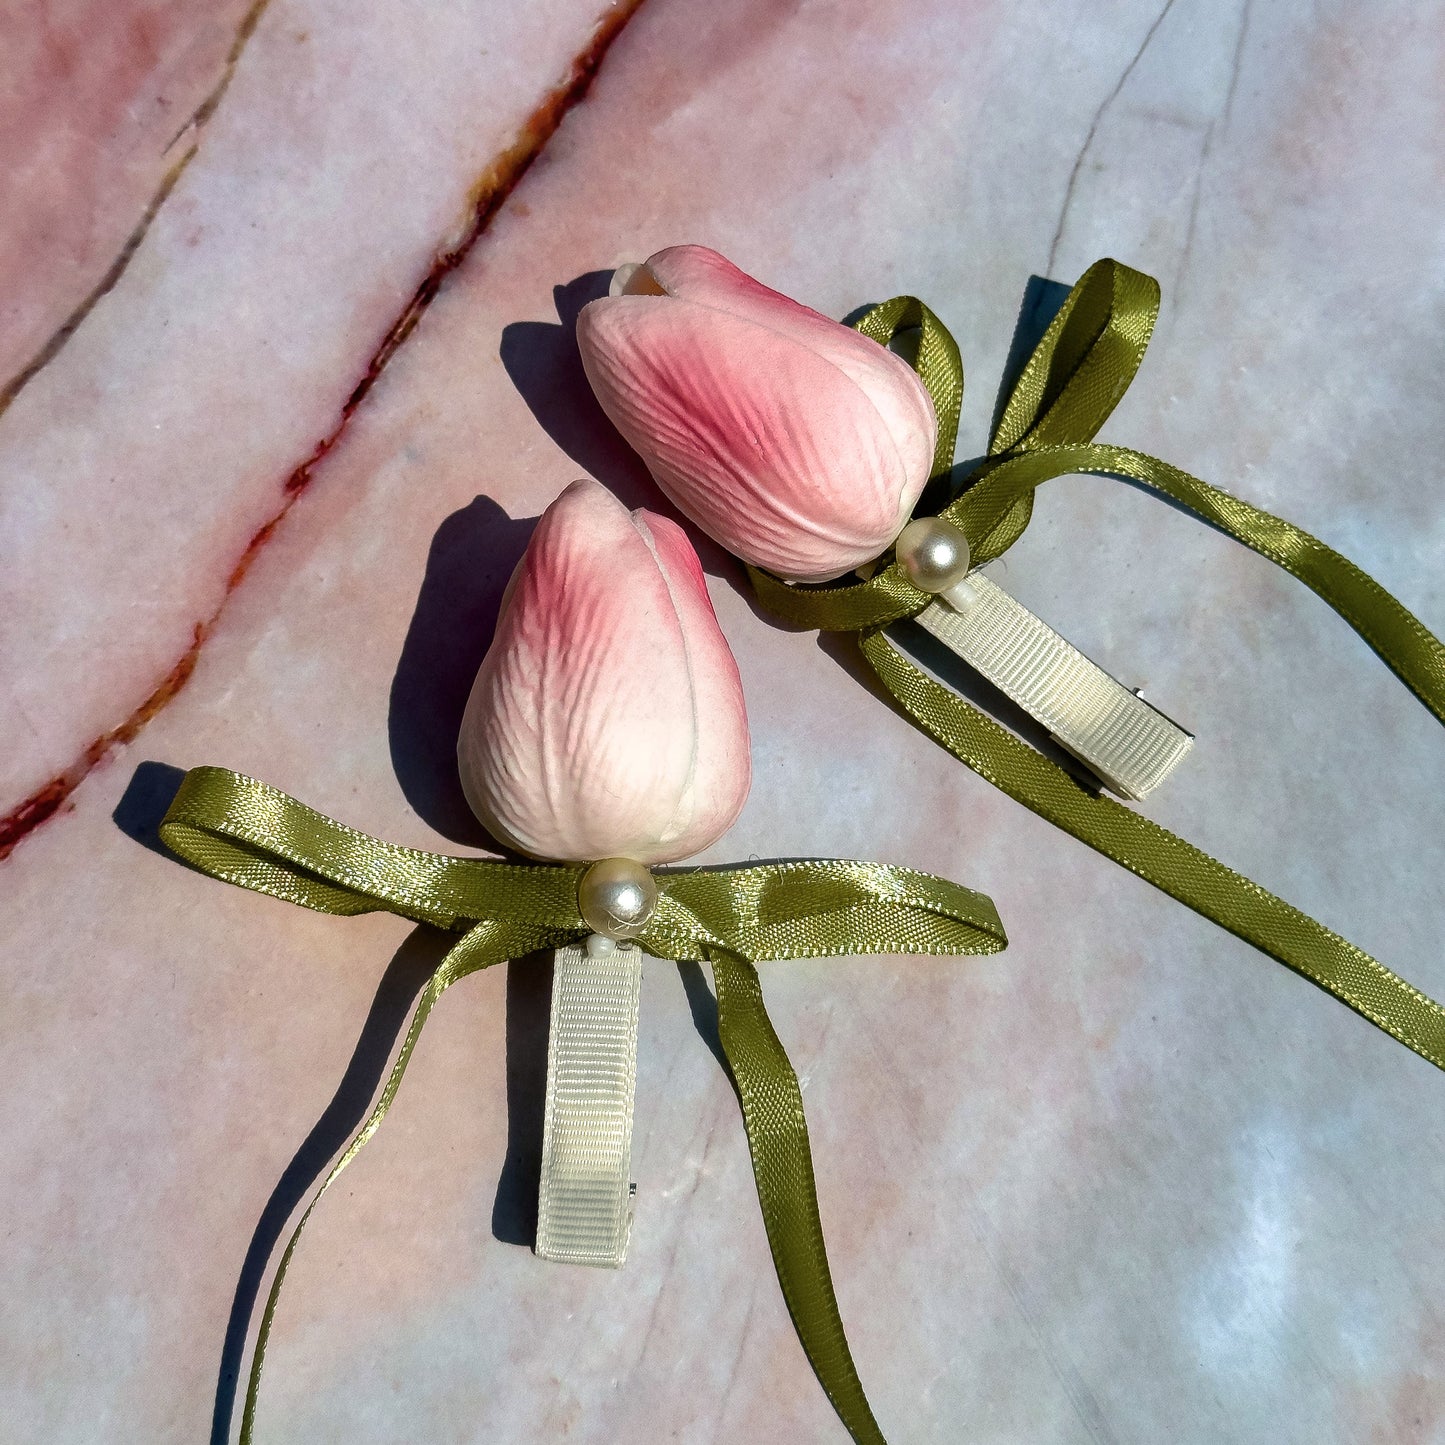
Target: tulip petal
(722, 764)
(607, 717)
(768, 446)
(697, 273)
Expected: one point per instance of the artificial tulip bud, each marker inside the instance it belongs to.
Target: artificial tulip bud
(607, 718)
(799, 444)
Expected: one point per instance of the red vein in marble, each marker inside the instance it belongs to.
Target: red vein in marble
(488, 195)
(194, 124)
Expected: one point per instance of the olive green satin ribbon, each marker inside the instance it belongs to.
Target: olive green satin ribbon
(1068, 387)
(237, 829)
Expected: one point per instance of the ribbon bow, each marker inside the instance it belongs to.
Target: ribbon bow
(240, 830)
(1065, 392)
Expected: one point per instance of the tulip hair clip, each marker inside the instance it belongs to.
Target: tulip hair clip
(812, 470)
(605, 734)
(803, 446)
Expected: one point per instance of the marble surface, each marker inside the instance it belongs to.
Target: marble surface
(1126, 1182)
(350, 157)
(101, 109)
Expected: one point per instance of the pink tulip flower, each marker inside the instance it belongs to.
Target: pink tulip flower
(607, 718)
(799, 444)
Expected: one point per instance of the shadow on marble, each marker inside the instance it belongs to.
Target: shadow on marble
(143, 804)
(703, 1006)
(1042, 301)
(414, 962)
(543, 363)
(529, 1015)
(971, 686)
(528, 1000)
(472, 555)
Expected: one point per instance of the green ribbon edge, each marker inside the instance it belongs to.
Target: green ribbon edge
(242, 831)
(1066, 390)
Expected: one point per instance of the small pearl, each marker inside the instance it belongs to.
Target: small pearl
(616, 898)
(599, 945)
(933, 553)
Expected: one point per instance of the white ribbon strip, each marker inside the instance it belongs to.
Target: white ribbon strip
(1129, 744)
(584, 1209)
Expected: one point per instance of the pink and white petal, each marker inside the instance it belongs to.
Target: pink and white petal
(698, 273)
(769, 447)
(581, 738)
(722, 763)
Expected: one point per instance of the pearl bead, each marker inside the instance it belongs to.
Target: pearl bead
(600, 946)
(933, 553)
(616, 898)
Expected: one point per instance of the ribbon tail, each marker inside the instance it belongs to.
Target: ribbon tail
(1159, 857)
(477, 949)
(1413, 653)
(777, 1131)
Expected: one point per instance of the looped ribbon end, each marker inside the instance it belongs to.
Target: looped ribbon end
(1065, 392)
(244, 832)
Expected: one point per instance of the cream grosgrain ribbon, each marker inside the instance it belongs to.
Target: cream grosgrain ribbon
(584, 1202)
(1120, 737)
(244, 832)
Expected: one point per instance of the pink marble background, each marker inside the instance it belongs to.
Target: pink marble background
(1128, 1182)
